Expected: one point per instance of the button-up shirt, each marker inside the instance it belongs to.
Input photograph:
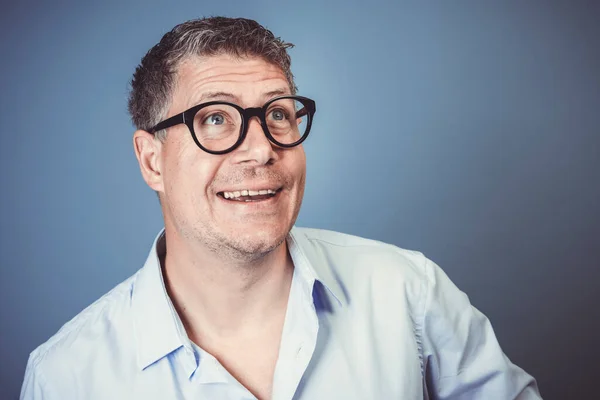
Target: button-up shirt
(365, 320)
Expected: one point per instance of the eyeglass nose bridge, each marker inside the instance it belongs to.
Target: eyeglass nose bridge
(248, 114)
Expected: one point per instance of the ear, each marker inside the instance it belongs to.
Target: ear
(147, 150)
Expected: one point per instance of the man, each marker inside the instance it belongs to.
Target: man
(235, 303)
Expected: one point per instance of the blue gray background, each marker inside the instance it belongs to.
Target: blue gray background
(467, 130)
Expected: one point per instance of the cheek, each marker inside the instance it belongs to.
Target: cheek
(188, 174)
(299, 167)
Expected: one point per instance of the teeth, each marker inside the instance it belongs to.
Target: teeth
(238, 193)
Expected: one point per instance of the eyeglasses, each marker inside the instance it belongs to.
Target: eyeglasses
(218, 127)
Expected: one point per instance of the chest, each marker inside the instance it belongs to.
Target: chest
(349, 360)
(252, 364)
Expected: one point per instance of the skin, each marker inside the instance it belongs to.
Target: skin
(227, 268)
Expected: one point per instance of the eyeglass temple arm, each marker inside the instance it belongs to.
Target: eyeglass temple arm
(301, 112)
(169, 122)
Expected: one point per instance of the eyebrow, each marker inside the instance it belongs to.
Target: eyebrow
(233, 98)
(216, 95)
(277, 92)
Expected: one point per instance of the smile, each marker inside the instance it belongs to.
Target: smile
(247, 195)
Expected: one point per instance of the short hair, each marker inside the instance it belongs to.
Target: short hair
(154, 79)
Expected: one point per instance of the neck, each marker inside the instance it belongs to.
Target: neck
(220, 298)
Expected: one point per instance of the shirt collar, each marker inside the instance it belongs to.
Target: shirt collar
(313, 265)
(159, 330)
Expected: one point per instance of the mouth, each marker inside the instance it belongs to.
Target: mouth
(249, 196)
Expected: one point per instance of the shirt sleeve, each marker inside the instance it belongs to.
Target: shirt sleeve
(462, 358)
(34, 386)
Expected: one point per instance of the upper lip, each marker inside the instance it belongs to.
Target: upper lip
(253, 187)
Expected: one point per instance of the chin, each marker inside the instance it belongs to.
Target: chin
(255, 243)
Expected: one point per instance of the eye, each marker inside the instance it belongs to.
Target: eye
(215, 119)
(278, 114)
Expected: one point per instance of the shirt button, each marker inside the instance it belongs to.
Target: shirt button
(303, 354)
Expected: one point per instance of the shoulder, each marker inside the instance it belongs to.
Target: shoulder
(363, 248)
(100, 330)
(356, 258)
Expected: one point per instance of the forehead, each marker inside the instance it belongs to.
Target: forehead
(247, 79)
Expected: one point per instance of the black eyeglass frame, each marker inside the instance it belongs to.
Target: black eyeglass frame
(187, 118)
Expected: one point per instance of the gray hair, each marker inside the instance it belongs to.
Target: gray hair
(154, 79)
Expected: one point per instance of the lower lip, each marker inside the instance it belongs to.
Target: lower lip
(253, 204)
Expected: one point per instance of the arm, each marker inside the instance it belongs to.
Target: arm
(34, 385)
(461, 355)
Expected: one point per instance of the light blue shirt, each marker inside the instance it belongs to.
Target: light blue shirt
(365, 320)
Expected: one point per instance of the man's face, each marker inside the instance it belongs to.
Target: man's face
(193, 181)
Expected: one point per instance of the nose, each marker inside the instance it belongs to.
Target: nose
(256, 147)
